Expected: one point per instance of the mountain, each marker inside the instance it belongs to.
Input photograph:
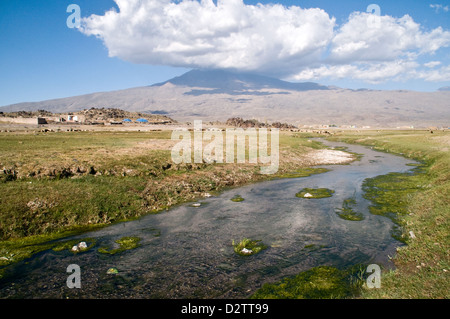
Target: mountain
(444, 88)
(220, 95)
(220, 81)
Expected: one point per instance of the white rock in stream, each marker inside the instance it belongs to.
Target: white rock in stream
(80, 246)
(246, 251)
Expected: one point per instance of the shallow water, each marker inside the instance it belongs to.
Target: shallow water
(186, 252)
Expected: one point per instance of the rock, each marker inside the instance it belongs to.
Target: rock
(307, 195)
(75, 248)
(81, 246)
(196, 205)
(411, 234)
(246, 251)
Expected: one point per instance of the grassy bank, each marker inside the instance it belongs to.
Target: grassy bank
(420, 206)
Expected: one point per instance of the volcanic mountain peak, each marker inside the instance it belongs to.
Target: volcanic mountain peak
(231, 82)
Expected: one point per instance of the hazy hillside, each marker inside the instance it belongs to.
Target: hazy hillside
(219, 95)
(235, 83)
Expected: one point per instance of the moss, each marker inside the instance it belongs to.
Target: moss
(253, 247)
(112, 271)
(302, 172)
(322, 282)
(347, 212)
(313, 247)
(390, 196)
(313, 193)
(237, 198)
(126, 243)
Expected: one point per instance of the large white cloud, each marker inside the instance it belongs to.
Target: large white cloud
(201, 34)
(368, 38)
(290, 42)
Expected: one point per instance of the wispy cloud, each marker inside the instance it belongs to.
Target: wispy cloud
(439, 7)
(289, 42)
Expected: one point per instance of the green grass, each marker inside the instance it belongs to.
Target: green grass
(254, 247)
(317, 283)
(314, 193)
(39, 206)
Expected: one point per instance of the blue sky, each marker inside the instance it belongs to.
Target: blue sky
(41, 58)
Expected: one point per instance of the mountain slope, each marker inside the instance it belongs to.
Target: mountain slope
(229, 82)
(219, 95)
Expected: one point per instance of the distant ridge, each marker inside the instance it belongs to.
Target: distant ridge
(444, 88)
(221, 81)
(217, 95)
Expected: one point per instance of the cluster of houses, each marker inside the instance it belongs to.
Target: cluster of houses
(77, 119)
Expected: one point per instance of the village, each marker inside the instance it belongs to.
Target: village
(92, 116)
(117, 119)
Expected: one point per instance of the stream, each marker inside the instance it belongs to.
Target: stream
(187, 252)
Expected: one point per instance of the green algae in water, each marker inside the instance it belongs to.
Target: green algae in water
(247, 247)
(303, 172)
(112, 271)
(237, 198)
(389, 195)
(347, 212)
(321, 282)
(126, 243)
(313, 193)
(313, 247)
